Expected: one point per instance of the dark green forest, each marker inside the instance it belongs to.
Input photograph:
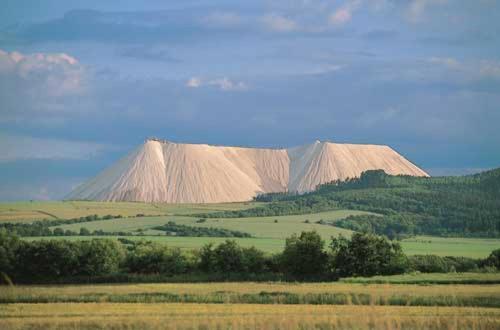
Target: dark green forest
(466, 206)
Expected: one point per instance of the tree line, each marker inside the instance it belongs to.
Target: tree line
(467, 206)
(305, 257)
(46, 228)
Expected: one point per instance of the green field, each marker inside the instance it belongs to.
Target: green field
(269, 233)
(261, 227)
(475, 248)
(409, 301)
(30, 211)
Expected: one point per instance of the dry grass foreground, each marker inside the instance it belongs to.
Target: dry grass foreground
(242, 316)
(34, 292)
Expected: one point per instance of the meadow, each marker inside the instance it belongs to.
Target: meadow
(268, 233)
(408, 301)
(326, 293)
(37, 210)
(241, 316)
(251, 305)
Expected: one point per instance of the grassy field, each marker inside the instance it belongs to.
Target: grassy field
(242, 316)
(268, 233)
(260, 293)
(449, 246)
(30, 211)
(260, 227)
(472, 248)
(251, 306)
(429, 278)
(411, 301)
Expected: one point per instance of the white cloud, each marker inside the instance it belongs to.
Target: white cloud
(489, 69)
(14, 148)
(343, 14)
(58, 73)
(340, 16)
(446, 61)
(37, 87)
(194, 82)
(223, 19)
(223, 83)
(418, 8)
(324, 69)
(471, 69)
(279, 23)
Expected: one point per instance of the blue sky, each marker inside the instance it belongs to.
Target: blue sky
(81, 83)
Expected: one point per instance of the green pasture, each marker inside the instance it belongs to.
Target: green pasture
(269, 233)
(36, 210)
(279, 227)
(446, 247)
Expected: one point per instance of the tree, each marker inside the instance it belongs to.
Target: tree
(253, 260)
(84, 231)
(228, 257)
(47, 259)
(207, 258)
(366, 255)
(100, 257)
(493, 259)
(154, 258)
(9, 243)
(304, 256)
(58, 232)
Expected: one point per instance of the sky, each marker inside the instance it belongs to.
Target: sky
(84, 82)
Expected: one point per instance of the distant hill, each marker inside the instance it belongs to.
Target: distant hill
(162, 171)
(445, 206)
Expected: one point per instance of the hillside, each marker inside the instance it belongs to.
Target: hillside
(162, 171)
(443, 206)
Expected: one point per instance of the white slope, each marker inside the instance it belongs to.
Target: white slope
(323, 162)
(160, 171)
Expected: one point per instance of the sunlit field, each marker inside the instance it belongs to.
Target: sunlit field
(35, 210)
(268, 233)
(242, 316)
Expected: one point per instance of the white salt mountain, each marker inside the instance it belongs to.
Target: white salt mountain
(162, 171)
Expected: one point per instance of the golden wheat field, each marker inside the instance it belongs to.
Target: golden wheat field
(147, 306)
(242, 316)
(200, 289)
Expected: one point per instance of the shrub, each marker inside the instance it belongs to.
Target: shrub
(366, 255)
(154, 258)
(493, 259)
(100, 257)
(304, 256)
(47, 259)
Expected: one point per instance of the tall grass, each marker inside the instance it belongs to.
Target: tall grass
(202, 316)
(261, 293)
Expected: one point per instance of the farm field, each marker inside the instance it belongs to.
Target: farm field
(251, 305)
(261, 293)
(30, 211)
(269, 233)
(261, 227)
(459, 247)
(428, 278)
(242, 316)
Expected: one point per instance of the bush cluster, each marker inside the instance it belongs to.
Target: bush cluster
(303, 258)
